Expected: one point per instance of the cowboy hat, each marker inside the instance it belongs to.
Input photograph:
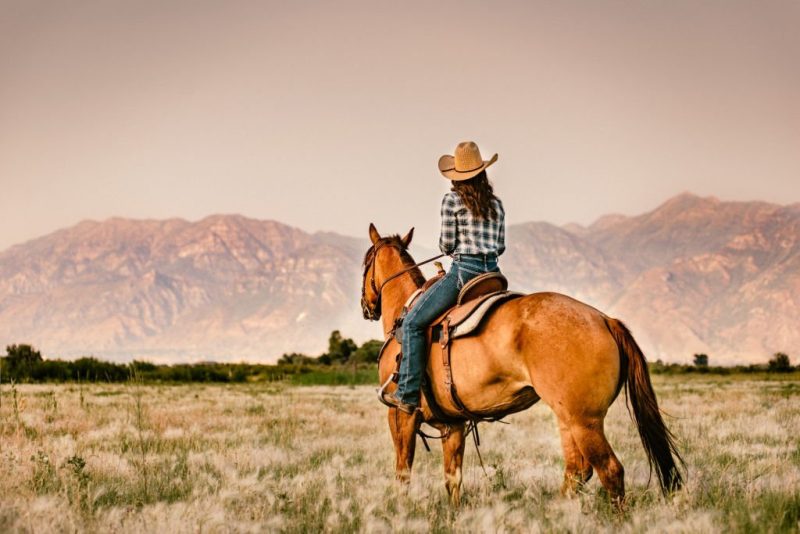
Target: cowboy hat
(467, 162)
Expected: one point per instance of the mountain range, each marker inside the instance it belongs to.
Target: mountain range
(694, 275)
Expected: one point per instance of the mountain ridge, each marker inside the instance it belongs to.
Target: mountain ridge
(695, 274)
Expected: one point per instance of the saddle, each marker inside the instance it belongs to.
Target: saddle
(474, 304)
(475, 300)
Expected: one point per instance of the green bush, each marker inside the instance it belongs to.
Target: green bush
(780, 363)
(368, 352)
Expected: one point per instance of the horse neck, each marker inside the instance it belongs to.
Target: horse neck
(397, 291)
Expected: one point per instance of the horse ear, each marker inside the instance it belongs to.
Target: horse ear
(407, 239)
(373, 234)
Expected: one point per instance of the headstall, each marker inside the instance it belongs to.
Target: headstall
(374, 313)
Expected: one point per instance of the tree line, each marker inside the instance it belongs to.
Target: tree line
(345, 362)
(23, 363)
(779, 363)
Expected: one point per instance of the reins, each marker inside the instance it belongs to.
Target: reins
(404, 271)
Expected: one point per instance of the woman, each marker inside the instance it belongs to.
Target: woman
(473, 234)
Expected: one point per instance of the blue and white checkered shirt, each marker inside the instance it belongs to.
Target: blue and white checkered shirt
(463, 233)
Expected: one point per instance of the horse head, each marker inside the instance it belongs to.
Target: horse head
(373, 278)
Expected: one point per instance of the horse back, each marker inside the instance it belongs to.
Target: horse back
(541, 345)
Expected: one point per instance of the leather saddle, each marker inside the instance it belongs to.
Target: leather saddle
(475, 299)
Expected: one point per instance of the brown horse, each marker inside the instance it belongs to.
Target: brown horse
(541, 346)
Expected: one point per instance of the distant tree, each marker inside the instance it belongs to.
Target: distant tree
(701, 360)
(339, 348)
(143, 367)
(295, 358)
(368, 352)
(94, 370)
(780, 363)
(21, 360)
(22, 354)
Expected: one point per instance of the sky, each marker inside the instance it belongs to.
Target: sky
(332, 115)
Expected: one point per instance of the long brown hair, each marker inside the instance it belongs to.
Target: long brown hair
(477, 194)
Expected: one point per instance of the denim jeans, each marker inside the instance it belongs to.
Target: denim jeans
(436, 300)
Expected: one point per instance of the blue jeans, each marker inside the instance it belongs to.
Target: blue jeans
(436, 300)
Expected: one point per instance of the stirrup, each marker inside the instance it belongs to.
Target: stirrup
(381, 390)
(410, 409)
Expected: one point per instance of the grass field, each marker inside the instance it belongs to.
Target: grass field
(319, 458)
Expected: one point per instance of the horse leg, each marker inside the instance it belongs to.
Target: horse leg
(592, 442)
(403, 427)
(453, 456)
(577, 471)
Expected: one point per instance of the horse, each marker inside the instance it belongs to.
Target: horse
(541, 346)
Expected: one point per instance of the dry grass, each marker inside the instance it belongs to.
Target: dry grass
(266, 457)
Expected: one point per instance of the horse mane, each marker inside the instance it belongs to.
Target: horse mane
(397, 242)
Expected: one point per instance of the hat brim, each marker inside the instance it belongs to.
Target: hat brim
(447, 166)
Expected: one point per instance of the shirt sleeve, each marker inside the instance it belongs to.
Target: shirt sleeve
(501, 232)
(447, 237)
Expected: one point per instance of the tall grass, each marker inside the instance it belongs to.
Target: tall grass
(274, 457)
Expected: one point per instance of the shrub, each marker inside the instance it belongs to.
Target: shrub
(779, 363)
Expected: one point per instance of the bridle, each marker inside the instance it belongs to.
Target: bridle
(374, 313)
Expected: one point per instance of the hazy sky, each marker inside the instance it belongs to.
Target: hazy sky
(330, 115)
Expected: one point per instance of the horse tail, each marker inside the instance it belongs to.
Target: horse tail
(658, 441)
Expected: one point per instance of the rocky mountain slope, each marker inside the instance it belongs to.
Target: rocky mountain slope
(226, 288)
(694, 275)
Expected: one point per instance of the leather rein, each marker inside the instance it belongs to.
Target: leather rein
(374, 313)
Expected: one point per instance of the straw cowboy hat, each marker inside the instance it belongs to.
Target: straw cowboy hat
(466, 164)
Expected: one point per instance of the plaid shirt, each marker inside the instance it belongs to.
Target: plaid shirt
(462, 233)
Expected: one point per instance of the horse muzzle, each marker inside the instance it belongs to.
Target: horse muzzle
(371, 314)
